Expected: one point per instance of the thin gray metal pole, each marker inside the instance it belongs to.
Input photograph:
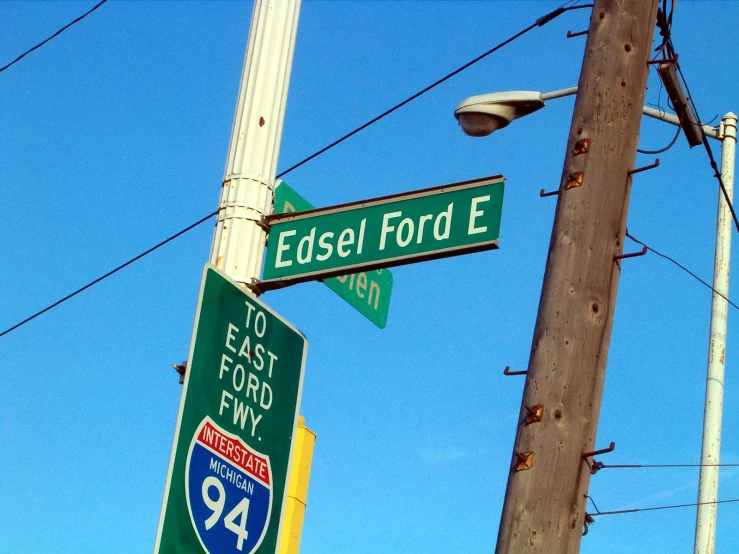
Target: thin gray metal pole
(705, 524)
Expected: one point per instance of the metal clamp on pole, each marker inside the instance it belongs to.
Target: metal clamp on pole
(263, 223)
(596, 466)
(663, 60)
(253, 285)
(507, 371)
(632, 255)
(181, 369)
(645, 168)
(610, 448)
(589, 520)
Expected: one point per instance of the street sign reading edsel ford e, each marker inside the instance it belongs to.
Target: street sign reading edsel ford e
(432, 223)
(368, 293)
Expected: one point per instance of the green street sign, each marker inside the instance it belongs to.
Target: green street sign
(368, 292)
(227, 480)
(433, 223)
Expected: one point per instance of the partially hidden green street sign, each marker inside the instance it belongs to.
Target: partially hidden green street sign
(367, 292)
(226, 486)
(433, 223)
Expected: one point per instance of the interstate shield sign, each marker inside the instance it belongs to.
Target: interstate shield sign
(227, 480)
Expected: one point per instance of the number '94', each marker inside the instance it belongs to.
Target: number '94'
(217, 504)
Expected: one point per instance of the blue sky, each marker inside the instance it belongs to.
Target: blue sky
(114, 137)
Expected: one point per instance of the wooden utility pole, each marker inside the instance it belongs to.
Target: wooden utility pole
(545, 499)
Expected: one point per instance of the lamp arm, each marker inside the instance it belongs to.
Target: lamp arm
(558, 93)
(712, 132)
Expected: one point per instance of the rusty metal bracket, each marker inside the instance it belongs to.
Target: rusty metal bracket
(525, 461)
(574, 180)
(535, 414)
(507, 371)
(582, 146)
(181, 369)
(611, 448)
(253, 285)
(570, 34)
(589, 520)
(263, 223)
(632, 255)
(645, 168)
(663, 60)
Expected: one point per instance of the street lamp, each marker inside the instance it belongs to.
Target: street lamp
(482, 115)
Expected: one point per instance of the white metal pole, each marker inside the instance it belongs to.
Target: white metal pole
(705, 527)
(248, 181)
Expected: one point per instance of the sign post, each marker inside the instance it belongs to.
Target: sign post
(433, 223)
(367, 292)
(226, 485)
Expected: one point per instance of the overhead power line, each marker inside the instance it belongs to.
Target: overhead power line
(716, 171)
(639, 466)
(685, 269)
(59, 32)
(538, 23)
(656, 508)
(111, 272)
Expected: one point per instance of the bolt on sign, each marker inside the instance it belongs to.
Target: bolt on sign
(226, 485)
(433, 223)
(367, 292)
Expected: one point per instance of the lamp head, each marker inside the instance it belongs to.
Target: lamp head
(481, 115)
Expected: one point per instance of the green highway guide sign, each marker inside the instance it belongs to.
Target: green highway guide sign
(367, 292)
(433, 223)
(227, 481)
